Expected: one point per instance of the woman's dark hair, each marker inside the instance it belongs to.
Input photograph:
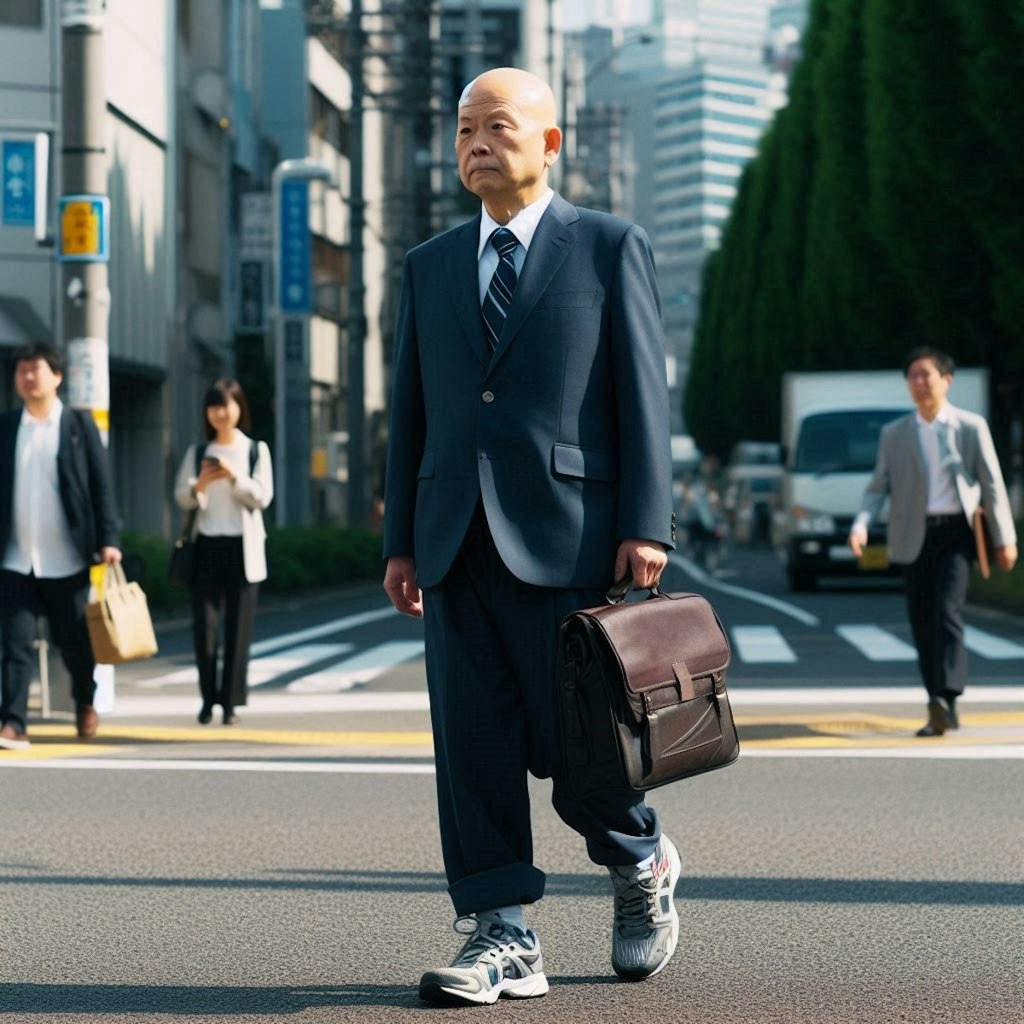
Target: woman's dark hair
(219, 393)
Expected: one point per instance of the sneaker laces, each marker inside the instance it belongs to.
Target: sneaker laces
(485, 936)
(635, 897)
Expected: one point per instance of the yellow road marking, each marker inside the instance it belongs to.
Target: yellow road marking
(791, 731)
(114, 735)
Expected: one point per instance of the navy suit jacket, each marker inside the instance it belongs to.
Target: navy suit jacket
(562, 430)
(83, 479)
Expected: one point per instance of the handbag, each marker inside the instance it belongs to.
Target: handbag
(120, 627)
(182, 569)
(642, 698)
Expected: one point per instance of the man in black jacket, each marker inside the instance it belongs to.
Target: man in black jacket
(57, 517)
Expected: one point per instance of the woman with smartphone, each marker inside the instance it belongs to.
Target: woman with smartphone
(229, 481)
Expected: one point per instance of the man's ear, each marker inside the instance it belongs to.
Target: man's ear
(552, 144)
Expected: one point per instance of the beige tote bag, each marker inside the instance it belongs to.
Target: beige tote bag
(120, 628)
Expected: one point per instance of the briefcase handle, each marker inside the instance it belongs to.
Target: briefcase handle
(618, 591)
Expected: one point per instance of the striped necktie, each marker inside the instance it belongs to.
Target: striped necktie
(499, 292)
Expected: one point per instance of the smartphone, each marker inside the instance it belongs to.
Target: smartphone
(212, 459)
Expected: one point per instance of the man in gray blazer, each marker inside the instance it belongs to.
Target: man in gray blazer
(938, 465)
(528, 469)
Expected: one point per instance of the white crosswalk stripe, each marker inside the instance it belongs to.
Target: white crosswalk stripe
(877, 644)
(360, 669)
(995, 648)
(761, 645)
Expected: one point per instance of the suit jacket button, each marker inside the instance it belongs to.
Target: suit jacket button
(488, 397)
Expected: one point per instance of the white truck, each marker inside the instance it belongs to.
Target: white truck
(830, 427)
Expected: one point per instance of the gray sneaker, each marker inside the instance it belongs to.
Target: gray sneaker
(497, 959)
(646, 925)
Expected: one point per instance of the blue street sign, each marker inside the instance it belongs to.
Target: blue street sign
(295, 287)
(19, 182)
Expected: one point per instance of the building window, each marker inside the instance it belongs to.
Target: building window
(22, 13)
(329, 123)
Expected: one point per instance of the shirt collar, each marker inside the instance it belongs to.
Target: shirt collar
(27, 419)
(523, 225)
(941, 417)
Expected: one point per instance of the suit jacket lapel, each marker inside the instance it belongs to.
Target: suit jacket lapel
(548, 250)
(465, 278)
(917, 464)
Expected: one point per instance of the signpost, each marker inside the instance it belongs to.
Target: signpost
(293, 306)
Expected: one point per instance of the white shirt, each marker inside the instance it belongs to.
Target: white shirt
(523, 225)
(222, 516)
(40, 541)
(938, 455)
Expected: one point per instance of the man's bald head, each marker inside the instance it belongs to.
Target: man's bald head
(507, 138)
(529, 93)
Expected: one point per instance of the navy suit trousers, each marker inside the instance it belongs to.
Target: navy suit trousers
(491, 643)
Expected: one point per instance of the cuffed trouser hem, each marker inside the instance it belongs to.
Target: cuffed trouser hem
(506, 886)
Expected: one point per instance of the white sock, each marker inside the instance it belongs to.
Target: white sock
(646, 862)
(512, 915)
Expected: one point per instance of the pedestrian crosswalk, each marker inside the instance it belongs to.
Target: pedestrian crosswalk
(766, 644)
(288, 665)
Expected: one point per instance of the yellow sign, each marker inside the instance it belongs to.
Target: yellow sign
(80, 229)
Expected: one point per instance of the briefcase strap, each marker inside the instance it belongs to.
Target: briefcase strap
(618, 591)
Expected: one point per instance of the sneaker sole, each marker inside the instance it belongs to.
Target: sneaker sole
(674, 871)
(509, 988)
(6, 744)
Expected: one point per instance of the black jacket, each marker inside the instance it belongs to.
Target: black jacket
(83, 476)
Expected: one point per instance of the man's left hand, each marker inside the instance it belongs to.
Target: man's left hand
(643, 559)
(1006, 557)
(110, 556)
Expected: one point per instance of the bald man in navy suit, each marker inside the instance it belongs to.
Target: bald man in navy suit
(528, 469)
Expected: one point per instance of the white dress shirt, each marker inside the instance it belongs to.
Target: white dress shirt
(40, 541)
(523, 225)
(222, 514)
(934, 437)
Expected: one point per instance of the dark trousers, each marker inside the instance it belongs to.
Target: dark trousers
(491, 669)
(936, 592)
(22, 600)
(221, 596)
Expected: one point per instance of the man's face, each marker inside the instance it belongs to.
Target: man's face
(502, 150)
(35, 381)
(928, 387)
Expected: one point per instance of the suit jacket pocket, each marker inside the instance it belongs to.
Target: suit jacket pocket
(584, 463)
(426, 466)
(567, 300)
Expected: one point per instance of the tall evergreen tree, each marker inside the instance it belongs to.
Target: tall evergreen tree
(856, 313)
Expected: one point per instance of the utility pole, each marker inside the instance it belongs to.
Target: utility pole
(357, 505)
(84, 210)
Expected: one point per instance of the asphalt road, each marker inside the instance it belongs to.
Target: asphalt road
(289, 869)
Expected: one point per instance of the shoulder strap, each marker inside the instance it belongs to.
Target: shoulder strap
(200, 452)
(254, 454)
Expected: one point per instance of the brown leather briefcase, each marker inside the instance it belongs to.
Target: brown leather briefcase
(642, 692)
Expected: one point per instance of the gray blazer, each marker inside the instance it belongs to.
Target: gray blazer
(901, 473)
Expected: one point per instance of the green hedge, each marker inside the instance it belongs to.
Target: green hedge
(298, 557)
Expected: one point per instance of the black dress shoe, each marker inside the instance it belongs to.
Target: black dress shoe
(938, 720)
(230, 718)
(206, 714)
(954, 719)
